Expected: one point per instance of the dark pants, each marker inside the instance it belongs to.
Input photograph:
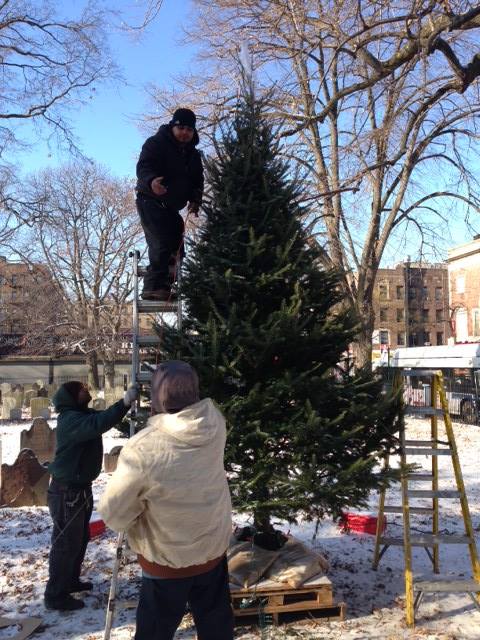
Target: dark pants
(162, 606)
(70, 510)
(163, 230)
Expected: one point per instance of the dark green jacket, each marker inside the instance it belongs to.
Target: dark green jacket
(78, 457)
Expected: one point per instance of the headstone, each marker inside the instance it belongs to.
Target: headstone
(110, 459)
(40, 439)
(45, 413)
(25, 482)
(28, 395)
(37, 404)
(5, 387)
(8, 403)
(18, 395)
(99, 404)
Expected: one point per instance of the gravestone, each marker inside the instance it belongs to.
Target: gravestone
(9, 404)
(18, 395)
(25, 482)
(99, 404)
(36, 406)
(27, 396)
(110, 459)
(40, 439)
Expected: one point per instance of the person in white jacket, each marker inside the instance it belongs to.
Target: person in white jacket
(170, 494)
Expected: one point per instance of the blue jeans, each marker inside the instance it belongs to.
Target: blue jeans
(70, 509)
(162, 605)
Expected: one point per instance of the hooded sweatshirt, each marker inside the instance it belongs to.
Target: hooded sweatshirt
(179, 165)
(170, 492)
(78, 456)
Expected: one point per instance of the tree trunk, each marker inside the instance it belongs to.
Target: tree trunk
(109, 372)
(93, 377)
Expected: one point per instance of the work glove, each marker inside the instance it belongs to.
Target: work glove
(131, 394)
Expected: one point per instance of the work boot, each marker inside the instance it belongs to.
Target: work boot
(81, 586)
(66, 603)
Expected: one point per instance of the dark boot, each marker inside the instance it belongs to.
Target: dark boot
(67, 603)
(81, 586)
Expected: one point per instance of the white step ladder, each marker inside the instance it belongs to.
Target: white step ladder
(157, 308)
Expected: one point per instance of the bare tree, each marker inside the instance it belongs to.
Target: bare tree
(378, 106)
(85, 225)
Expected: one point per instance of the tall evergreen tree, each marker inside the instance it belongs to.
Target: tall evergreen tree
(266, 330)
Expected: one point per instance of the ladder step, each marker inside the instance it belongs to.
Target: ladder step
(144, 377)
(445, 584)
(429, 493)
(418, 373)
(146, 341)
(427, 540)
(420, 477)
(427, 452)
(399, 509)
(424, 411)
(424, 443)
(156, 306)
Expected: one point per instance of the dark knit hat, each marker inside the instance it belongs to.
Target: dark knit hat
(174, 387)
(73, 387)
(184, 117)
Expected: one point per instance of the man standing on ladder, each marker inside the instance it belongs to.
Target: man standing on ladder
(169, 175)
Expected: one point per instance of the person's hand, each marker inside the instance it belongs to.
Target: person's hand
(131, 394)
(157, 186)
(193, 207)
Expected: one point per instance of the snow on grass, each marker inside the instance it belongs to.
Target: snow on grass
(374, 598)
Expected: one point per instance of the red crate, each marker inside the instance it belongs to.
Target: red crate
(97, 527)
(360, 523)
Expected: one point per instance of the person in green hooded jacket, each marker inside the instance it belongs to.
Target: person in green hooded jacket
(77, 462)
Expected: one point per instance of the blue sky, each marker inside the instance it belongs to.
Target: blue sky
(106, 128)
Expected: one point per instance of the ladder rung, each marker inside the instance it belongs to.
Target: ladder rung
(144, 376)
(417, 510)
(430, 493)
(424, 411)
(414, 477)
(399, 509)
(419, 373)
(423, 443)
(445, 584)
(156, 306)
(427, 452)
(427, 540)
(145, 341)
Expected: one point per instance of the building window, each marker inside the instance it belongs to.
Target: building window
(400, 315)
(383, 291)
(425, 315)
(14, 281)
(476, 322)
(400, 292)
(438, 293)
(413, 339)
(401, 339)
(460, 284)
(425, 293)
(426, 338)
(412, 293)
(383, 314)
(439, 337)
(439, 315)
(383, 336)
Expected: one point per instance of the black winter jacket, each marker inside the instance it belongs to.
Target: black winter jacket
(78, 457)
(181, 168)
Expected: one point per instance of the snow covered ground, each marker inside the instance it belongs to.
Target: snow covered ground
(374, 599)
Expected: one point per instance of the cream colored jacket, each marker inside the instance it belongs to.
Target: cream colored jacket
(169, 491)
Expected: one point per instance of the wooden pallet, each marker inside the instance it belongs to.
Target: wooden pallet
(269, 598)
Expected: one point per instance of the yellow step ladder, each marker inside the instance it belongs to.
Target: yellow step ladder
(417, 586)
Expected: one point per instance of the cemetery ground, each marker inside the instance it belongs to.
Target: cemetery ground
(374, 599)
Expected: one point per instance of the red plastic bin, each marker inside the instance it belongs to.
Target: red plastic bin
(97, 527)
(360, 523)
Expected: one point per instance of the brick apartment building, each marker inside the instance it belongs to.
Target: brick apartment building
(464, 276)
(411, 306)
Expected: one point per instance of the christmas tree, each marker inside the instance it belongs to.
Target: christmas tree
(267, 332)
